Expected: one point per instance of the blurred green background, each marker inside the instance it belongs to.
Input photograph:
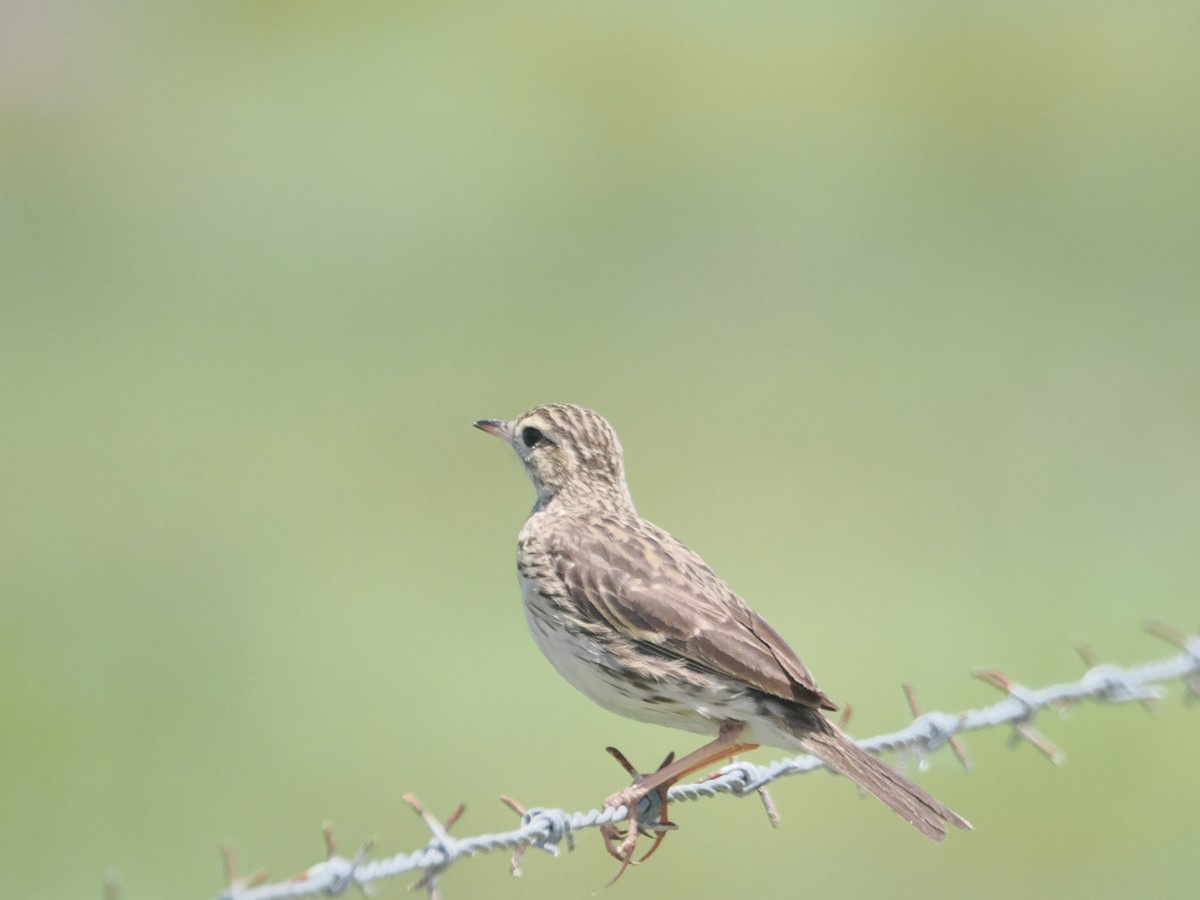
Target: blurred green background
(894, 307)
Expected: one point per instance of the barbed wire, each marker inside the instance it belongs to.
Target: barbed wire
(548, 829)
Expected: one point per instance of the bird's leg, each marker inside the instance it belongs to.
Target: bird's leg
(611, 832)
(725, 746)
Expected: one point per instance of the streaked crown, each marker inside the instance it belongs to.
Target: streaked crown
(569, 452)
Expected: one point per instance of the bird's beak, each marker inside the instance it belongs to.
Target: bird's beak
(494, 427)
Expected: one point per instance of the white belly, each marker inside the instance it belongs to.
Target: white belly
(590, 668)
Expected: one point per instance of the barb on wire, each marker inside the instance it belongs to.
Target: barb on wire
(547, 829)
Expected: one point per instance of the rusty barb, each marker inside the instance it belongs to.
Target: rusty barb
(548, 829)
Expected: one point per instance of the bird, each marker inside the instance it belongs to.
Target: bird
(641, 625)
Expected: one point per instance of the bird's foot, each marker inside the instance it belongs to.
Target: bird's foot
(646, 810)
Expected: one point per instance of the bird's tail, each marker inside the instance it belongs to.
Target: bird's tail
(840, 753)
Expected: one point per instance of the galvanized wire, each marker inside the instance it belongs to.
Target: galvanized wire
(549, 829)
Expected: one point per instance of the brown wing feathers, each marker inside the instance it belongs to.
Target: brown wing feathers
(663, 594)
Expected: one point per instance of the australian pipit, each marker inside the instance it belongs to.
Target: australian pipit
(641, 625)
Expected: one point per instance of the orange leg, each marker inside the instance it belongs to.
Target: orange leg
(725, 746)
(663, 825)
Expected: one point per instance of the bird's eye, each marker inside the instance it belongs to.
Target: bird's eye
(531, 436)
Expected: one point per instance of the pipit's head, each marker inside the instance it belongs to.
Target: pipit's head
(569, 453)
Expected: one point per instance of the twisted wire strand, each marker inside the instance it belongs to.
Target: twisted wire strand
(548, 829)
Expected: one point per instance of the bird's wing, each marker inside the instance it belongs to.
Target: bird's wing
(642, 582)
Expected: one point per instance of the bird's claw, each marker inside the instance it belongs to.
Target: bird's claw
(632, 799)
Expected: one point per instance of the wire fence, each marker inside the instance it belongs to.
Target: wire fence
(549, 829)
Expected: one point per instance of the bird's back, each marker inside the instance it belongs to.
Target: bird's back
(626, 576)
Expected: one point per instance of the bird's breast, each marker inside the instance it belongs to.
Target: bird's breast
(615, 673)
